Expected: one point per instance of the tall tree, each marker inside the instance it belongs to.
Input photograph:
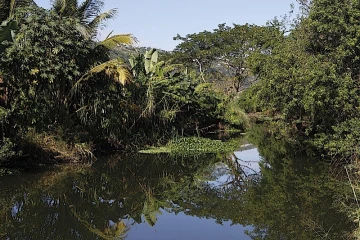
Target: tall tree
(90, 15)
(90, 21)
(235, 46)
(195, 50)
(228, 47)
(48, 55)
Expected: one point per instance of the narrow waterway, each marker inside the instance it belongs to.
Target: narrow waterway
(253, 193)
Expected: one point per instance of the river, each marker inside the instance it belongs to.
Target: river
(263, 191)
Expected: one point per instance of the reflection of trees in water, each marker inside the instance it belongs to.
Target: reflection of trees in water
(242, 175)
(296, 196)
(99, 203)
(292, 199)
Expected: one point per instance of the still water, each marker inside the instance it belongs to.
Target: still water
(270, 191)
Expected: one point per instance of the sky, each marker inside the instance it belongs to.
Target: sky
(155, 22)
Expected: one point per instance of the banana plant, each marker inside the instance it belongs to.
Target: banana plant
(152, 66)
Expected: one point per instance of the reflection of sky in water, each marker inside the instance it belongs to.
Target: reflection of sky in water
(180, 226)
(247, 158)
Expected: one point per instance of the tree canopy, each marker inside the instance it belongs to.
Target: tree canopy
(229, 48)
(311, 78)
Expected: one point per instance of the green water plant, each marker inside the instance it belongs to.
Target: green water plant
(195, 146)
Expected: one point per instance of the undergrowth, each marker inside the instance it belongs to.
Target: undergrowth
(46, 148)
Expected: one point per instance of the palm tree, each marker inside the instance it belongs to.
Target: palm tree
(89, 14)
(91, 21)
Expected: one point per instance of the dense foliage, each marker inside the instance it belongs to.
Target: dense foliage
(311, 78)
(65, 93)
(56, 78)
(228, 51)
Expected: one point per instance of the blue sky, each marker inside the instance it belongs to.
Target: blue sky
(155, 22)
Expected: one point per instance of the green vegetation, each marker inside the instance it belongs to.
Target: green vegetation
(67, 97)
(64, 95)
(307, 75)
(311, 78)
(228, 51)
(57, 80)
(305, 70)
(195, 146)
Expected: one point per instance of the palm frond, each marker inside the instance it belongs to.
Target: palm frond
(59, 6)
(71, 9)
(83, 7)
(99, 21)
(116, 40)
(83, 30)
(89, 10)
(115, 69)
(109, 34)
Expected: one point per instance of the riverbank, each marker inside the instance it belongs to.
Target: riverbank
(39, 149)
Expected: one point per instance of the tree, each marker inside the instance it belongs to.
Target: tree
(51, 55)
(196, 49)
(87, 12)
(305, 6)
(91, 18)
(48, 55)
(228, 47)
(311, 78)
(234, 48)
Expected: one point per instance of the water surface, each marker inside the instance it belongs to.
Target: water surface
(269, 192)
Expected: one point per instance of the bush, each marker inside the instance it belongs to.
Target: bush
(235, 116)
(6, 150)
(248, 99)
